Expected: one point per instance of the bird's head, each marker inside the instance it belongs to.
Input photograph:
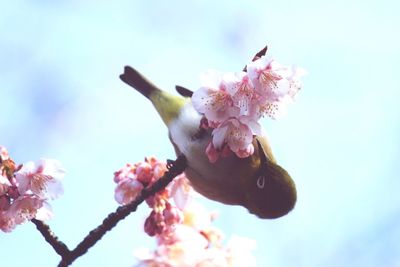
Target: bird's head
(271, 192)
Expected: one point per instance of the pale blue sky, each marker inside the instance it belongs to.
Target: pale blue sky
(61, 98)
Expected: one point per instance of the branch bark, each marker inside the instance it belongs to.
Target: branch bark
(68, 256)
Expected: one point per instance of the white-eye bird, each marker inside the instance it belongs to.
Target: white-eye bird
(255, 182)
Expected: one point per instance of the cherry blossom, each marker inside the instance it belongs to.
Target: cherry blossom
(24, 208)
(275, 84)
(238, 251)
(126, 172)
(25, 189)
(197, 216)
(134, 177)
(42, 178)
(213, 100)
(127, 190)
(213, 154)
(196, 243)
(241, 90)
(273, 80)
(232, 103)
(144, 172)
(181, 191)
(172, 215)
(237, 135)
(7, 223)
(181, 226)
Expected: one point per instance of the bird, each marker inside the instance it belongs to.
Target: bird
(256, 182)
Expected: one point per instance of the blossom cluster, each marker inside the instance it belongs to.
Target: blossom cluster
(25, 190)
(182, 226)
(166, 205)
(232, 103)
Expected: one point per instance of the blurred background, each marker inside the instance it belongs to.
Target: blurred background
(61, 98)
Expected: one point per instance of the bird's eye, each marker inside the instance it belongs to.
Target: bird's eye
(261, 182)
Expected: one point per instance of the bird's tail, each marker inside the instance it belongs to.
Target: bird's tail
(135, 79)
(166, 104)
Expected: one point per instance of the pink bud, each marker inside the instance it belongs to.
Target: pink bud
(127, 190)
(172, 215)
(150, 226)
(144, 172)
(212, 153)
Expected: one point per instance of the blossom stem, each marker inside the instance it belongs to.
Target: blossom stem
(174, 169)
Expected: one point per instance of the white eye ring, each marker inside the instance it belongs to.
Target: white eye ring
(261, 182)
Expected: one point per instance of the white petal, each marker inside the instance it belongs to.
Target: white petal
(23, 181)
(54, 189)
(254, 67)
(254, 126)
(232, 81)
(44, 213)
(219, 135)
(28, 167)
(211, 79)
(52, 167)
(200, 98)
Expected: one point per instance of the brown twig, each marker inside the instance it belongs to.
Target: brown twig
(68, 256)
(51, 238)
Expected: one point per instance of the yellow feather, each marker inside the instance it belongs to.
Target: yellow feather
(167, 105)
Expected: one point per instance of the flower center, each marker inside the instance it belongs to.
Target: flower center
(269, 79)
(220, 100)
(39, 181)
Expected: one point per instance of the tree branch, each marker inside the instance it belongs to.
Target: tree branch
(68, 256)
(51, 238)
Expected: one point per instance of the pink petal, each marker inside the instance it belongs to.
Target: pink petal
(126, 172)
(211, 79)
(244, 153)
(44, 213)
(127, 190)
(254, 126)
(7, 223)
(42, 178)
(23, 177)
(144, 172)
(219, 136)
(54, 189)
(232, 81)
(239, 135)
(172, 215)
(214, 102)
(51, 167)
(212, 153)
(181, 191)
(4, 203)
(4, 184)
(200, 98)
(24, 208)
(254, 68)
(3, 153)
